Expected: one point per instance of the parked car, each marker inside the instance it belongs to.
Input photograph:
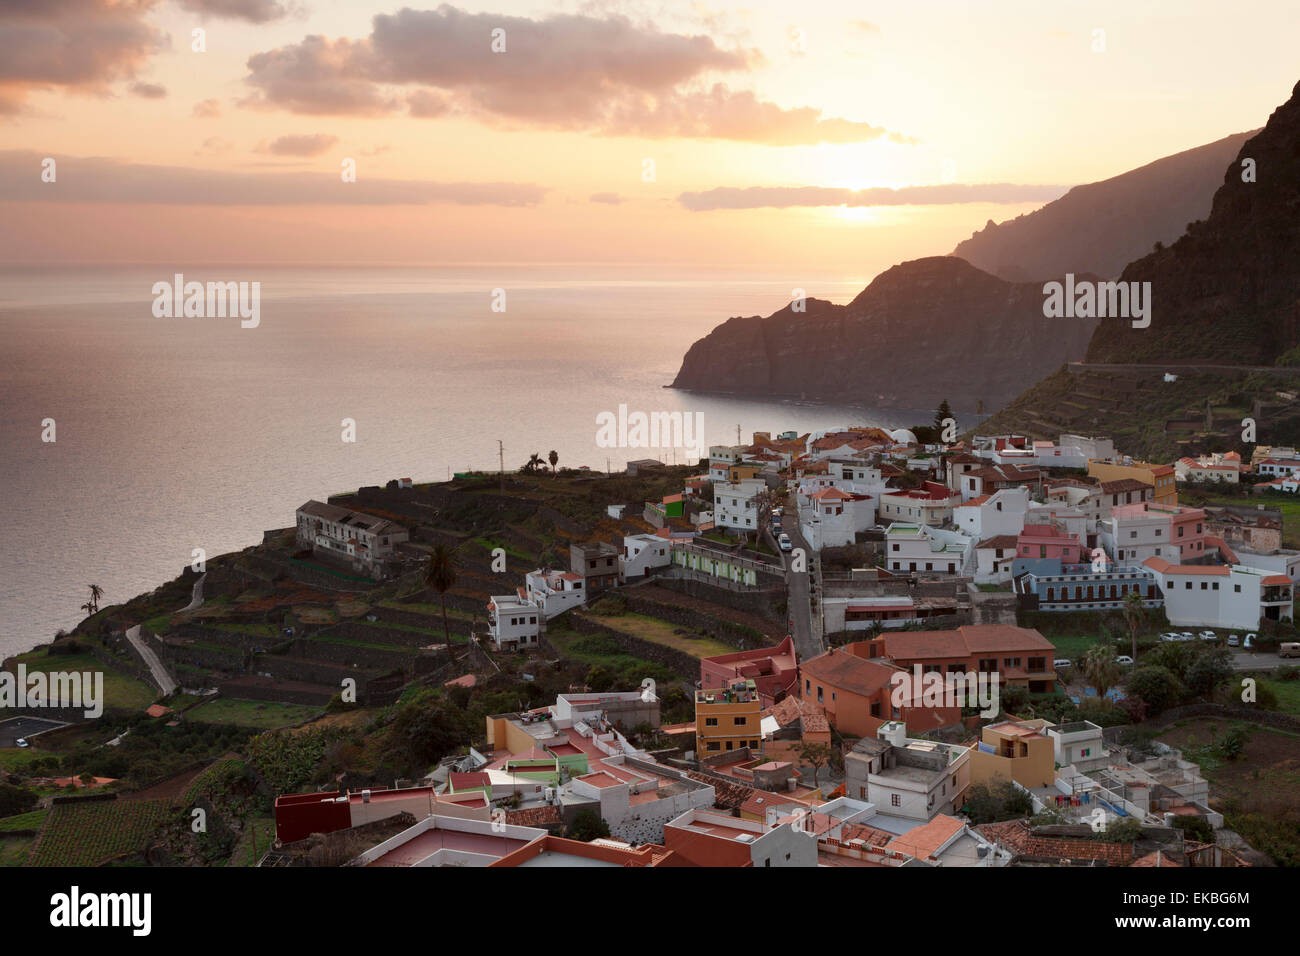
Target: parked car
(1233, 640)
(785, 543)
(777, 512)
(1170, 637)
(1062, 662)
(1124, 661)
(1208, 636)
(22, 742)
(1289, 649)
(1188, 636)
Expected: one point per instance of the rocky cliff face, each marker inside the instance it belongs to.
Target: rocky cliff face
(1229, 289)
(923, 331)
(1102, 227)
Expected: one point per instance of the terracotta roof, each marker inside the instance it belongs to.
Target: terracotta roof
(843, 670)
(728, 796)
(1124, 484)
(1156, 858)
(924, 841)
(1017, 836)
(1165, 567)
(999, 541)
(534, 816)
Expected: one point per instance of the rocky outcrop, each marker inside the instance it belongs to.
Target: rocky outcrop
(1229, 289)
(1101, 227)
(921, 332)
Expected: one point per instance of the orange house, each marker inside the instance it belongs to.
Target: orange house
(857, 694)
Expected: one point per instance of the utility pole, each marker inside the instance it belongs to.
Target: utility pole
(501, 458)
(737, 433)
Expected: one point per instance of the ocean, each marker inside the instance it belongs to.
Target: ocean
(180, 433)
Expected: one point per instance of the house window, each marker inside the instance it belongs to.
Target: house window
(710, 721)
(740, 721)
(1236, 588)
(895, 800)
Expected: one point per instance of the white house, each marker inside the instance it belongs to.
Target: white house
(721, 458)
(1224, 468)
(360, 540)
(931, 504)
(642, 553)
(993, 559)
(513, 622)
(987, 516)
(1236, 596)
(833, 517)
(554, 591)
(912, 548)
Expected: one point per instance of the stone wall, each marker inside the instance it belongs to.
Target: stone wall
(765, 602)
(1255, 715)
(743, 636)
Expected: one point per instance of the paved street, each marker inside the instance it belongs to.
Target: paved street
(806, 642)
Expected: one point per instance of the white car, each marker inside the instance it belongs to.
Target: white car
(1170, 637)
(1062, 662)
(1249, 641)
(22, 742)
(1188, 636)
(1208, 636)
(784, 542)
(1124, 661)
(1233, 640)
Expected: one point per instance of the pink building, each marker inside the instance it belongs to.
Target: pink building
(1140, 524)
(773, 670)
(1046, 541)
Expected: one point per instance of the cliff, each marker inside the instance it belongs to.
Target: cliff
(922, 331)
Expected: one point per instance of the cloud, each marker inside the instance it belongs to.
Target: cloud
(207, 109)
(302, 144)
(609, 199)
(149, 91)
(568, 71)
(78, 46)
(783, 197)
(96, 179)
(253, 11)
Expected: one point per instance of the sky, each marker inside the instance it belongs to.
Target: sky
(829, 138)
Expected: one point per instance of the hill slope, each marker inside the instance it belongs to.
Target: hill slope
(922, 331)
(1101, 227)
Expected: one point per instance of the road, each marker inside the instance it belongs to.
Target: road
(807, 643)
(163, 679)
(196, 595)
(1283, 370)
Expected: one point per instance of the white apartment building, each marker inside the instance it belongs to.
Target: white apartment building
(721, 459)
(930, 505)
(907, 777)
(513, 622)
(832, 518)
(1237, 597)
(735, 506)
(1224, 468)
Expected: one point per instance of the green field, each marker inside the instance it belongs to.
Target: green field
(661, 632)
(32, 820)
(121, 690)
(259, 714)
(91, 834)
(14, 850)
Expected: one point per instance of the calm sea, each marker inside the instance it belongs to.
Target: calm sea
(180, 433)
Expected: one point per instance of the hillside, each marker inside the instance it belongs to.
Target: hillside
(1229, 289)
(943, 327)
(1101, 227)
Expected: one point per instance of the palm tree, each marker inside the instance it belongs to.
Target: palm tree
(1100, 669)
(534, 462)
(440, 574)
(89, 608)
(553, 458)
(1133, 611)
(96, 592)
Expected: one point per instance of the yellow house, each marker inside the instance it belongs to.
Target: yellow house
(728, 719)
(1161, 478)
(1018, 750)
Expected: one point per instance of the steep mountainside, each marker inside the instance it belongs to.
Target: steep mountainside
(1103, 226)
(1229, 289)
(923, 331)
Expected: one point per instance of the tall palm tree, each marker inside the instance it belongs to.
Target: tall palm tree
(89, 608)
(1100, 669)
(553, 458)
(440, 574)
(96, 592)
(1132, 617)
(534, 463)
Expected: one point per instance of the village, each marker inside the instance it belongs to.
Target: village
(852, 648)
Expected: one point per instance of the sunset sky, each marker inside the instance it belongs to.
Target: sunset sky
(761, 121)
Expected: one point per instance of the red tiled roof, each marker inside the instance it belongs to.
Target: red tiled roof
(1017, 836)
(847, 672)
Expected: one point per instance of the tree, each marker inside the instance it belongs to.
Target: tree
(553, 458)
(533, 464)
(1100, 669)
(1133, 613)
(1156, 685)
(440, 574)
(587, 826)
(944, 412)
(817, 755)
(96, 592)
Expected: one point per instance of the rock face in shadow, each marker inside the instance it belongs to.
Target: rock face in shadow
(1229, 290)
(1101, 227)
(921, 332)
